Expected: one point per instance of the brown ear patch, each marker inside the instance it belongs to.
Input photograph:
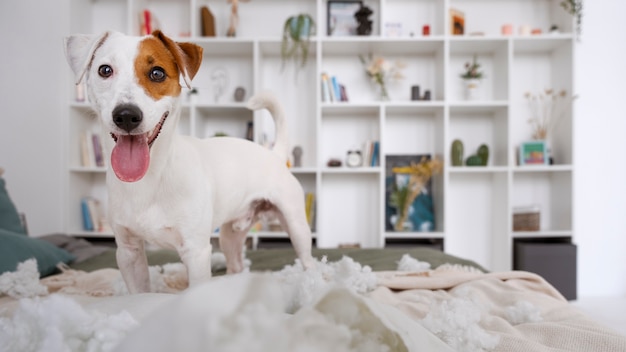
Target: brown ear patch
(152, 53)
(188, 56)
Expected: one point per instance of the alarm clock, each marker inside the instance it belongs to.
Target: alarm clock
(354, 158)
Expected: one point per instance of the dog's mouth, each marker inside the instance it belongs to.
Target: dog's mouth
(130, 157)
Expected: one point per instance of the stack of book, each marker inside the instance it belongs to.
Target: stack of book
(332, 90)
(93, 218)
(91, 151)
(371, 151)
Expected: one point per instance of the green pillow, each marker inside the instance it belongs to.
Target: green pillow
(16, 248)
(9, 218)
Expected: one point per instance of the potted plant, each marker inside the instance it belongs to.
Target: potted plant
(297, 33)
(472, 78)
(574, 8)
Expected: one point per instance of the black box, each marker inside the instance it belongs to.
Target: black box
(555, 262)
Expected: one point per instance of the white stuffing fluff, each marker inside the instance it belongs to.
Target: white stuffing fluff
(456, 322)
(304, 286)
(523, 312)
(57, 323)
(24, 282)
(408, 263)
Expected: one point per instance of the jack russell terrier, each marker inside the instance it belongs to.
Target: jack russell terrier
(173, 190)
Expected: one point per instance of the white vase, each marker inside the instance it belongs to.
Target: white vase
(472, 89)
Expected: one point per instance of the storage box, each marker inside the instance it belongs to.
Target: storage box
(555, 262)
(526, 218)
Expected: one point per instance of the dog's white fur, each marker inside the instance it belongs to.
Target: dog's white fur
(192, 186)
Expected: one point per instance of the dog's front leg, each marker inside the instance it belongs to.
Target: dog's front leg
(196, 256)
(133, 264)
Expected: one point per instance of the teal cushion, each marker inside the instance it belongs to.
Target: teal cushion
(9, 217)
(16, 248)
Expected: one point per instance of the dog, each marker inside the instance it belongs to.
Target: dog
(174, 190)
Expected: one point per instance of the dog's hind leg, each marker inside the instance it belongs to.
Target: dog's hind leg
(232, 239)
(132, 261)
(293, 220)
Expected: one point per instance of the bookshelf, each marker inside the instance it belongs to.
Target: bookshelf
(473, 206)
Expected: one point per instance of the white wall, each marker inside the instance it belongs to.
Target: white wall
(34, 86)
(600, 184)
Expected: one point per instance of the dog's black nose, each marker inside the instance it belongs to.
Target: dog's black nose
(127, 117)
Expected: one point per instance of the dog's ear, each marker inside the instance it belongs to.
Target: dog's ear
(188, 56)
(80, 50)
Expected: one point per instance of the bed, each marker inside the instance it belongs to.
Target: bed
(415, 299)
(59, 293)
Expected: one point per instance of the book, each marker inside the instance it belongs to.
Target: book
(325, 88)
(336, 90)
(420, 216)
(375, 151)
(91, 212)
(344, 92)
(87, 222)
(97, 150)
(310, 209)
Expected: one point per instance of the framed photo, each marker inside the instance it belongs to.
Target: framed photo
(421, 216)
(457, 22)
(340, 18)
(533, 153)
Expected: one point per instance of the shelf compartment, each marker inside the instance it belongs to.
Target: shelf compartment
(413, 15)
(476, 125)
(289, 80)
(84, 184)
(230, 119)
(414, 130)
(349, 129)
(479, 219)
(172, 17)
(257, 18)
(221, 73)
(551, 192)
(533, 72)
(348, 196)
(492, 55)
(95, 17)
(492, 15)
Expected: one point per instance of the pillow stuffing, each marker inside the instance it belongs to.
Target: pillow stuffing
(16, 248)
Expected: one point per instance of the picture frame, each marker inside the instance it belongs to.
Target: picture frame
(457, 22)
(533, 153)
(340, 21)
(421, 216)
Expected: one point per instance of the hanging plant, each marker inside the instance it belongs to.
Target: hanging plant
(297, 33)
(574, 8)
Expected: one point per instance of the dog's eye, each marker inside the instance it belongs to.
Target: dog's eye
(157, 74)
(105, 71)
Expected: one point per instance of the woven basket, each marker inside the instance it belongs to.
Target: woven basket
(526, 221)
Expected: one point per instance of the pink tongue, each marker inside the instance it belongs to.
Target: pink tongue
(130, 157)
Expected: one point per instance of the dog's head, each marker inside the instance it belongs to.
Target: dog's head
(134, 84)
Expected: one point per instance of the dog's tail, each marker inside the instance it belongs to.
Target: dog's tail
(267, 100)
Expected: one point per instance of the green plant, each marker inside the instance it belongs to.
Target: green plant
(472, 70)
(574, 8)
(297, 33)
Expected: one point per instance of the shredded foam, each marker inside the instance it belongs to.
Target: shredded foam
(408, 263)
(24, 282)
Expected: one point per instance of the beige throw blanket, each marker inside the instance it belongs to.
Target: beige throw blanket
(506, 311)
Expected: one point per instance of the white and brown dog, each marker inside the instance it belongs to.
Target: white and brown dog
(174, 190)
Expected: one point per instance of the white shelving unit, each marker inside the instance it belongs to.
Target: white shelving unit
(473, 205)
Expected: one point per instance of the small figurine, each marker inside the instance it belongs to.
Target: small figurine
(456, 153)
(240, 94)
(362, 17)
(297, 156)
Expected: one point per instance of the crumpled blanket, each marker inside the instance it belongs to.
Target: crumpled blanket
(502, 311)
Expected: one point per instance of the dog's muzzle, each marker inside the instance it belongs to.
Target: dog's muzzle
(130, 157)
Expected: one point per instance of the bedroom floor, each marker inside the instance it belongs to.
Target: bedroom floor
(611, 311)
